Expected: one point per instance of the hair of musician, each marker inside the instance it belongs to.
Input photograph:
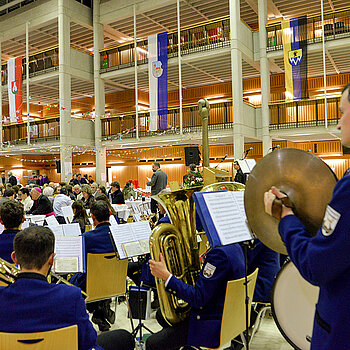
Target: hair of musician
(100, 210)
(347, 88)
(103, 197)
(33, 246)
(11, 213)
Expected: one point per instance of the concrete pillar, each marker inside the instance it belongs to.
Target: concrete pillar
(264, 77)
(237, 84)
(64, 89)
(99, 87)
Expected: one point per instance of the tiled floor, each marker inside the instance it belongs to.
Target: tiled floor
(267, 338)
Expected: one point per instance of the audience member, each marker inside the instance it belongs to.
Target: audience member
(11, 217)
(115, 194)
(128, 191)
(70, 192)
(91, 180)
(88, 198)
(3, 178)
(77, 193)
(79, 180)
(44, 180)
(48, 192)
(41, 205)
(61, 200)
(12, 179)
(94, 188)
(32, 180)
(26, 200)
(102, 189)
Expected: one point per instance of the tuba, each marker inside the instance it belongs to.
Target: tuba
(178, 244)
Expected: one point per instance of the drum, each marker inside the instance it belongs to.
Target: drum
(293, 304)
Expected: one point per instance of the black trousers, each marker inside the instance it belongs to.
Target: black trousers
(119, 339)
(154, 206)
(170, 337)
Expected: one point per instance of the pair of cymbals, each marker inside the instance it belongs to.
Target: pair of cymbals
(305, 178)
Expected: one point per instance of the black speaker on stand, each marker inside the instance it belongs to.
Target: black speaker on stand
(192, 155)
(58, 166)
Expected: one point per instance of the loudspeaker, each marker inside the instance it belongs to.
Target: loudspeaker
(58, 166)
(346, 150)
(192, 155)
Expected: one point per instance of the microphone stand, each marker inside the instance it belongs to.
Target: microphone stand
(220, 162)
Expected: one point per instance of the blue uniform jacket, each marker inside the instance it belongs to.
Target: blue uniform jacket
(6, 244)
(207, 297)
(97, 241)
(324, 261)
(267, 261)
(31, 304)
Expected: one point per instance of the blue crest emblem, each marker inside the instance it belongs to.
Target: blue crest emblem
(157, 69)
(295, 57)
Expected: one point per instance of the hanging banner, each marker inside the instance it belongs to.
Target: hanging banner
(294, 39)
(14, 85)
(158, 81)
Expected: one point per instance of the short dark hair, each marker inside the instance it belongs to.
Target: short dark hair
(115, 184)
(25, 190)
(11, 213)
(64, 190)
(103, 197)
(62, 184)
(100, 210)
(157, 164)
(347, 87)
(9, 192)
(33, 246)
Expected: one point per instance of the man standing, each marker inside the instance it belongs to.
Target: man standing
(12, 179)
(3, 178)
(323, 260)
(158, 182)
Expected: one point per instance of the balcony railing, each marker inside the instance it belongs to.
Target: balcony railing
(305, 113)
(336, 26)
(124, 126)
(202, 37)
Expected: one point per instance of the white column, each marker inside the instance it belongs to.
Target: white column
(99, 87)
(136, 81)
(237, 84)
(64, 87)
(27, 81)
(324, 70)
(264, 77)
(1, 139)
(179, 63)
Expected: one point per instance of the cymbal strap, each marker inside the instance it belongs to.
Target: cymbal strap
(276, 209)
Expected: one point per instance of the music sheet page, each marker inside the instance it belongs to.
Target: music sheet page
(227, 212)
(71, 230)
(69, 247)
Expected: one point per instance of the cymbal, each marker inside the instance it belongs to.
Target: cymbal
(305, 178)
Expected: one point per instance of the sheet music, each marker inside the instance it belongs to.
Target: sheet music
(226, 212)
(113, 221)
(137, 217)
(57, 230)
(51, 221)
(132, 249)
(24, 225)
(2, 228)
(66, 264)
(131, 232)
(247, 165)
(68, 213)
(71, 230)
(69, 247)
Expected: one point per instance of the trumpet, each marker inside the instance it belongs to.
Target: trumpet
(9, 273)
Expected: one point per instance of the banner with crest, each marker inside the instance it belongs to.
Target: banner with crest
(294, 39)
(158, 81)
(14, 86)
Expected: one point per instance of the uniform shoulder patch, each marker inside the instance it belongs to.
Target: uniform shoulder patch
(208, 270)
(330, 221)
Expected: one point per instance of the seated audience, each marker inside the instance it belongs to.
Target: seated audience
(77, 193)
(41, 205)
(97, 241)
(26, 200)
(102, 189)
(33, 180)
(11, 217)
(61, 200)
(88, 198)
(128, 191)
(79, 180)
(48, 192)
(38, 306)
(80, 215)
(115, 195)
(44, 180)
(70, 192)
(94, 188)
(91, 180)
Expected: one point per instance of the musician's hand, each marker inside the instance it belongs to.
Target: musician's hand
(269, 198)
(159, 269)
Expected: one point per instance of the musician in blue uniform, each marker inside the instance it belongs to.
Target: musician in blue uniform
(206, 298)
(31, 304)
(11, 217)
(323, 260)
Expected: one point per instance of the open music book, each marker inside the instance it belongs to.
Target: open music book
(223, 217)
(247, 165)
(131, 239)
(70, 254)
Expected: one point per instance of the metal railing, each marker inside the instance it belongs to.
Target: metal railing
(124, 126)
(305, 113)
(201, 37)
(336, 26)
(38, 63)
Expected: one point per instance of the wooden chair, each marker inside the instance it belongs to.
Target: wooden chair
(57, 339)
(106, 276)
(234, 316)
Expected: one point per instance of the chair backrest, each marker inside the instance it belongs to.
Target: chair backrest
(234, 315)
(58, 339)
(106, 276)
